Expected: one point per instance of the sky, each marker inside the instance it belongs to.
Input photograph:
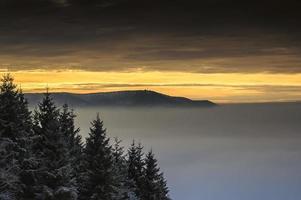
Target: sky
(221, 50)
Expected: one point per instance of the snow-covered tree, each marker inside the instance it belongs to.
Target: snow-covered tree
(163, 189)
(154, 187)
(15, 129)
(9, 169)
(54, 174)
(99, 177)
(43, 157)
(124, 191)
(135, 168)
(15, 116)
(74, 140)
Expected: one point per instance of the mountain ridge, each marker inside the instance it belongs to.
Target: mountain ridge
(132, 98)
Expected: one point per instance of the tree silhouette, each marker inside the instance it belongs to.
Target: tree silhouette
(136, 168)
(154, 184)
(99, 178)
(54, 174)
(15, 130)
(74, 140)
(42, 156)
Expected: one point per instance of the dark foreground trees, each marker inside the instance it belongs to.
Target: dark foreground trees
(15, 132)
(54, 175)
(154, 182)
(99, 180)
(42, 156)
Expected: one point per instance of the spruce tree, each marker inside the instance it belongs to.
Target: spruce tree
(135, 168)
(163, 189)
(9, 169)
(121, 170)
(99, 178)
(15, 128)
(43, 159)
(74, 140)
(154, 184)
(54, 175)
(13, 120)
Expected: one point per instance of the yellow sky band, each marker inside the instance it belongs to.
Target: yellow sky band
(223, 87)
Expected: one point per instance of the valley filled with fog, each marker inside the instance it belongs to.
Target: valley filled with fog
(237, 152)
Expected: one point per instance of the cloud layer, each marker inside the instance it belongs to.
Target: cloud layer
(161, 36)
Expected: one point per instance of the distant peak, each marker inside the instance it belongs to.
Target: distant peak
(145, 97)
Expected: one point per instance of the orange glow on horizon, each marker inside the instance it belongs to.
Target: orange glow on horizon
(223, 87)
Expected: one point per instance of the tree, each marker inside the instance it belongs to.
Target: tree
(99, 177)
(15, 128)
(74, 140)
(163, 189)
(15, 116)
(121, 170)
(44, 158)
(135, 168)
(9, 169)
(154, 184)
(54, 174)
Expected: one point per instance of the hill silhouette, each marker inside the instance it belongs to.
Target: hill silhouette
(120, 98)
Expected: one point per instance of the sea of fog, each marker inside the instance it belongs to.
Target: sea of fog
(229, 152)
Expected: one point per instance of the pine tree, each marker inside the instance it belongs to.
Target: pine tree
(15, 127)
(121, 170)
(74, 140)
(42, 159)
(154, 184)
(135, 168)
(99, 177)
(54, 175)
(9, 169)
(163, 192)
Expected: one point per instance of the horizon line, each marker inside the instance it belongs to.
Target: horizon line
(194, 99)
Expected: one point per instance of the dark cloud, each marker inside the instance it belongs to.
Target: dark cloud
(197, 36)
